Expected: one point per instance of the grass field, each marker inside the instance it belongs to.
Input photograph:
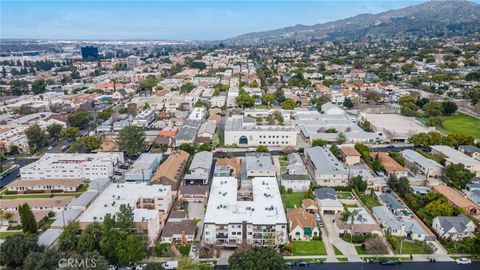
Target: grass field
(409, 247)
(462, 123)
(343, 195)
(290, 200)
(360, 250)
(369, 200)
(306, 248)
(3, 235)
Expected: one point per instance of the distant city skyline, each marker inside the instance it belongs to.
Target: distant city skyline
(171, 20)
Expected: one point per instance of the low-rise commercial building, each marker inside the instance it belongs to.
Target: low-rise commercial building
(244, 131)
(72, 166)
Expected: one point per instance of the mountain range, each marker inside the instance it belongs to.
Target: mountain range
(431, 19)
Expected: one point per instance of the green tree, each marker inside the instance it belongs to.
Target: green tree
(187, 148)
(268, 99)
(54, 131)
(403, 186)
(48, 259)
(433, 108)
(68, 240)
(79, 119)
(90, 237)
(204, 147)
(125, 217)
(289, 104)
(458, 176)
(148, 83)
(27, 219)
(244, 100)
(435, 121)
(198, 64)
(319, 142)
(348, 103)
(187, 87)
(131, 139)
(39, 86)
(449, 107)
(36, 137)
(130, 249)
(19, 87)
(262, 149)
(439, 207)
(85, 144)
(16, 248)
(409, 109)
(69, 133)
(105, 114)
(358, 183)
(108, 244)
(257, 258)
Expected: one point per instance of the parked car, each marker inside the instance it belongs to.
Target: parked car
(170, 265)
(288, 263)
(463, 261)
(302, 263)
(390, 262)
(194, 248)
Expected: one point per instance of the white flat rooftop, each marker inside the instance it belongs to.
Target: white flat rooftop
(127, 193)
(266, 207)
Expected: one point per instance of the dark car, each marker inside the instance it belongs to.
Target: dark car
(390, 262)
(289, 263)
(302, 263)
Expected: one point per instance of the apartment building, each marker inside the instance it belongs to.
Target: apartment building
(420, 164)
(171, 170)
(142, 169)
(72, 166)
(453, 156)
(324, 167)
(144, 119)
(252, 214)
(151, 205)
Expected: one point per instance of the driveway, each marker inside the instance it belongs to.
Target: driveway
(346, 248)
(197, 211)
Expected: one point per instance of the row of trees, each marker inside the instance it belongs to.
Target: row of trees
(434, 138)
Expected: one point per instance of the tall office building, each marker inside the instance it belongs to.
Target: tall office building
(89, 53)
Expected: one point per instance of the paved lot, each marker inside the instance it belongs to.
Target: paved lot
(197, 211)
(346, 248)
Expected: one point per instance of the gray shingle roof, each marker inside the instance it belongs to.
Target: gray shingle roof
(459, 223)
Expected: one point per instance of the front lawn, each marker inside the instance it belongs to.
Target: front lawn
(361, 250)
(307, 248)
(369, 200)
(409, 247)
(290, 200)
(337, 251)
(462, 123)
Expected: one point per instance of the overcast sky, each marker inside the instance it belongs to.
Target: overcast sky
(180, 20)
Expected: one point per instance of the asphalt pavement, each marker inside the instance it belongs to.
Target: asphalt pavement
(12, 175)
(378, 266)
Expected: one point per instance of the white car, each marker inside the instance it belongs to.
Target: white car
(463, 261)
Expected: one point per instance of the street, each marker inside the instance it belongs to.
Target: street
(8, 178)
(375, 266)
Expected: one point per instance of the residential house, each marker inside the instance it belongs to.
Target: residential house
(171, 170)
(302, 225)
(327, 201)
(454, 228)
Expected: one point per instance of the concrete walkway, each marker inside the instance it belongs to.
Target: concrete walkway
(346, 248)
(329, 247)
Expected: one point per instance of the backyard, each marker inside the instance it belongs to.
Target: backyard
(369, 200)
(307, 248)
(290, 200)
(462, 123)
(344, 195)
